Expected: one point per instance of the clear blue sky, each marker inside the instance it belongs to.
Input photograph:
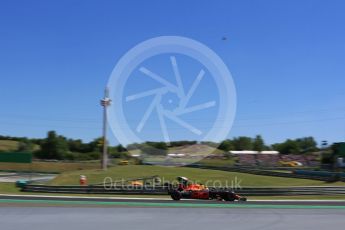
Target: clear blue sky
(287, 59)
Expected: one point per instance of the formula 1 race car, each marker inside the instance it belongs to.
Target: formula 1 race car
(199, 191)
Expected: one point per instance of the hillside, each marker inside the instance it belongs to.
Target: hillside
(208, 177)
(7, 145)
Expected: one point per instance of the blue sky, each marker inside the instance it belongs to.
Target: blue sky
(287, 59)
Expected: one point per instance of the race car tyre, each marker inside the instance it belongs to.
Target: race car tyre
(228, 196)
(243, 199)
(176, 195)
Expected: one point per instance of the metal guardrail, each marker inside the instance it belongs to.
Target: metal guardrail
(291, 191)
(267, 172)
(163, 190)
(91, 189)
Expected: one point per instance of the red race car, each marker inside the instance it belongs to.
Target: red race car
(199, 191)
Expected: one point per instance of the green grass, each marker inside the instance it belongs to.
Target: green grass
(170, 173)
(198, 149)
(199, 152)
(206, 162)
(90, 203)
(217, 162)
(8, 145)
(38, 166)
(9, 188)
(162, 159)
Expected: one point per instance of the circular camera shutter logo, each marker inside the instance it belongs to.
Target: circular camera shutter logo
(163, 96)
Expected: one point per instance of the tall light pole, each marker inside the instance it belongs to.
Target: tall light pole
(105, 102)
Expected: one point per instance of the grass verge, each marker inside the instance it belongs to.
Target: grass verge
(205, 176)
(9, 188)
(38, 166)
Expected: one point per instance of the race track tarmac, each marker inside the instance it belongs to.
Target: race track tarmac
(91, 218)
(162, 201)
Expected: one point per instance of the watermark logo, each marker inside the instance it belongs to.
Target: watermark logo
(161, 183)
(171, 88)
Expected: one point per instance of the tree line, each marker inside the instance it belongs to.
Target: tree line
(290, 146)
(58, 147)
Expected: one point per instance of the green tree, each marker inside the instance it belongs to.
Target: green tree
(96, 145)
(226, 145)
(120, 148)
(154, 148)
(25, 146)
(53, 147)
(296, 146)
(307, 144)
(75, 145)
(243, 143)
(287, 147)
(258, 143)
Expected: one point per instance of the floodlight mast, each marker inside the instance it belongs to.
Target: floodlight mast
(105, 102)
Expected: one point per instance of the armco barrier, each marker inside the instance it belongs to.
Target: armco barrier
(91, 189)
(321, 177)
(291, 191)
(320, 173)
(161, 190)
